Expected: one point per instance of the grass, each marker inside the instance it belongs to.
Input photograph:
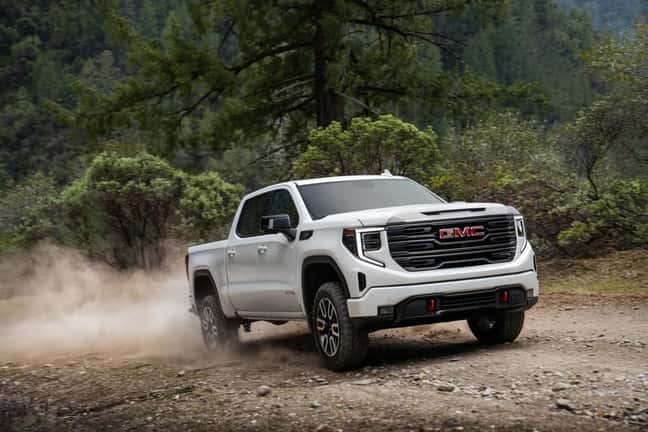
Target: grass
(618, 273)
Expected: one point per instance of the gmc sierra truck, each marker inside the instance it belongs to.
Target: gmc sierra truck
(354, 254)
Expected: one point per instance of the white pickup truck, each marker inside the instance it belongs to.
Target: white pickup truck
(355, 254)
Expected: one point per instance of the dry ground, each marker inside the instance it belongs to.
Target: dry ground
(581, 363)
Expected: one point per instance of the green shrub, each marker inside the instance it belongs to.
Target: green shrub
(207, 206)
(24, 212)
(617, 219)
(369, 147)
(126, 206)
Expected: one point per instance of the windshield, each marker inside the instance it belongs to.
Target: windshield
(324, 199)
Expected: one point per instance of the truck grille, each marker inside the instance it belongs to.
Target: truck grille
(418, 246)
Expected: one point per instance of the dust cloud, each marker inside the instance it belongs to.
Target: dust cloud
(54, 302)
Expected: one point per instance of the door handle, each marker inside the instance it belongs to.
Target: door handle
(231, 253)
(262, 249)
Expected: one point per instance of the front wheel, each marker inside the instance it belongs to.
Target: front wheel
(497, 328)
(341, 344)
(218, 332)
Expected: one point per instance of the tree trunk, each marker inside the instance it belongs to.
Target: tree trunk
(328, 103)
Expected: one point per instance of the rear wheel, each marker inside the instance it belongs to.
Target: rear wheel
(497, 328)
(341, 344)
(219, 333)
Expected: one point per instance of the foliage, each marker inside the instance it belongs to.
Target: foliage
(509, 160)
(537, 42)
(518, 102)
(42, 44)
(617, 219)
(24, 217)
(235, 70)
(368, 147)
(207, 207)
(125, 207)
(614, 15)
(614, 129)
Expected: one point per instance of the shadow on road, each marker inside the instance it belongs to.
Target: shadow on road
(300, 348)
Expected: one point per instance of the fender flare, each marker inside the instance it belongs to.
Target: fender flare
(203, 273)
(324, 259)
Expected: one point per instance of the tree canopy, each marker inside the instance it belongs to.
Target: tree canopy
(157, 115)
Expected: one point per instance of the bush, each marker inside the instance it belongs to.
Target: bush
(618, 219)
(207, 207)
(24, 212)
(369, 147)
(510, 160)
(125, 207)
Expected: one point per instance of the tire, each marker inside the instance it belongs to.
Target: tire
(348, 348)
(219, 333)
(497, 328)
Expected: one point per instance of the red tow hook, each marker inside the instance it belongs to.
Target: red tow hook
(504, 296)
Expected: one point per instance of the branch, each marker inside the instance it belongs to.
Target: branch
(226, 35)
(370, 88)
(422, 35)
(296, 107)
(276, 150)
(265, 54)
(187, 110)
(358, 102)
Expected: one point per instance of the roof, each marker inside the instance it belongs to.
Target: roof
(319, 181)
(344, 178)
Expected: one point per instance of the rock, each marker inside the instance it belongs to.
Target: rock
(561, 386)
(446, 388)
(362, 382)
(327, 428)
(315, 404)
(181, 373)
(487, 392)
(565, 404)
(263, 390)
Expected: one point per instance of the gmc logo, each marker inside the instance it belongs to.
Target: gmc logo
(469, 231)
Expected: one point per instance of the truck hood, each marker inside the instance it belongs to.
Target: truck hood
(424, 212)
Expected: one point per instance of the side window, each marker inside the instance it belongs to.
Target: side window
(282, 203)
(249, 223)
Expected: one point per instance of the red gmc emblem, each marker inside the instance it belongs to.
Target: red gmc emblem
(456, 232)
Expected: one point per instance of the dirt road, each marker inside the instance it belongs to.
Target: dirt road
(581, 363)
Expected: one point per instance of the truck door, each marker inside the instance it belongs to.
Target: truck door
(260, 266)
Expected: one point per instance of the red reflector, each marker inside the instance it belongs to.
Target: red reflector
(504, 297)
(431, 305)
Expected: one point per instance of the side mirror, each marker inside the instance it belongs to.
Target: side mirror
(279, 223)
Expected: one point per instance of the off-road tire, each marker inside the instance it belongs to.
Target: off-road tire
(353, 341)
(504, 327)
(222, 334)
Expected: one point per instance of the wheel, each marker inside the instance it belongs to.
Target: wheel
(497, 328)
(341, 344)
(218, 332)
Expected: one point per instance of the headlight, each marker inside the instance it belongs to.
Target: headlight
(361, 240)
(520, 232)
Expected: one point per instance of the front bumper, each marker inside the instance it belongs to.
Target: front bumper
(381, 296)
